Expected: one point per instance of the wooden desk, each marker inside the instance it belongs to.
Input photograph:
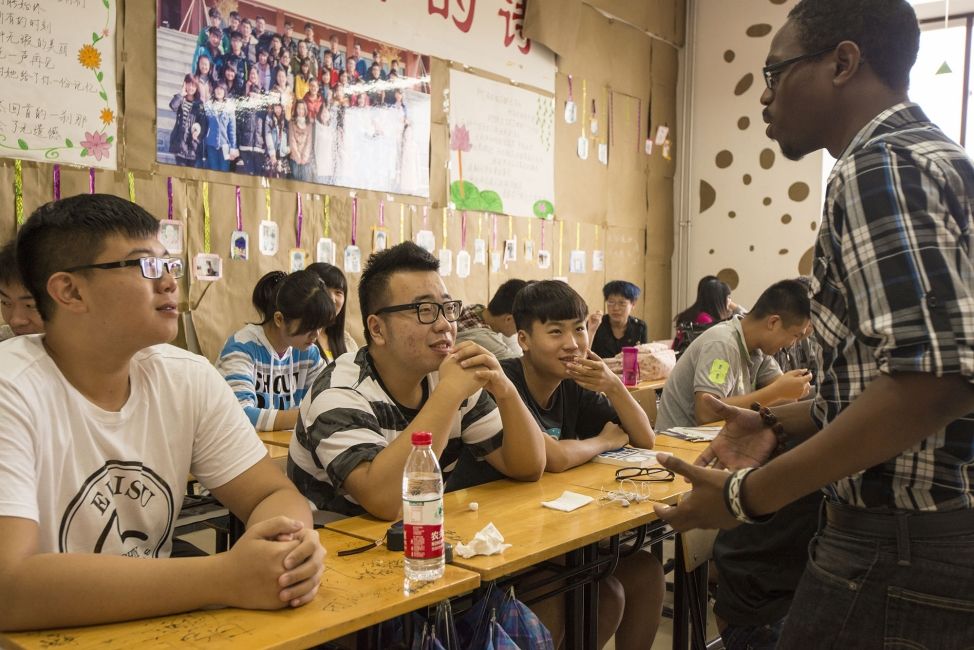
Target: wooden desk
(277, 438)
(536, 533)
(652, 384)
(276, 451)
(356, 591)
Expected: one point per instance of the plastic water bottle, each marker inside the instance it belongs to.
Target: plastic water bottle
(630, 366)
(422, 511)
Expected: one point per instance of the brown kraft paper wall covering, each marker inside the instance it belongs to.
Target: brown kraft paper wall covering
(630, 199)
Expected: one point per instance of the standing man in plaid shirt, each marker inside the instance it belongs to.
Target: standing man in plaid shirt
(890, 435)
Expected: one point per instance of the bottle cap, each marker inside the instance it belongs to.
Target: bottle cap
(422, 438)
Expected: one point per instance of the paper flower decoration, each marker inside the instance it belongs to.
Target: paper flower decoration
(460, 142)
(89, 57)
(96, 144)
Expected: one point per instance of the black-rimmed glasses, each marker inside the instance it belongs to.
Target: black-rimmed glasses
(428, 312)
(152, 267)
(772, 70)
(645, 474)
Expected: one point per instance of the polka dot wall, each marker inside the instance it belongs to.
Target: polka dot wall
(753, 214)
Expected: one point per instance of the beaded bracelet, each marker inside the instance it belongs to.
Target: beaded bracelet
(771, 421)
(733, 489)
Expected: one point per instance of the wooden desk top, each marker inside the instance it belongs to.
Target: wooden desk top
(356, 591)
(277, 438)
(652, 384)
(276, 451)
(537, 533)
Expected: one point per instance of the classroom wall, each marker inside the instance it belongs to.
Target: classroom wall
(625, 208)
(752, 214)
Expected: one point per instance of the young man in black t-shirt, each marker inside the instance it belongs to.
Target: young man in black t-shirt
(585, 410)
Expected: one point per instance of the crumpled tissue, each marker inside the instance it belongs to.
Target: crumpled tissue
(488, 541)
(568, 501)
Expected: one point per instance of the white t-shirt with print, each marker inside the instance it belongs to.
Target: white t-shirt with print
(112, 482)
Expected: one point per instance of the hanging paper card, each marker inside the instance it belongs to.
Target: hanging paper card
(593, 123)
(528, 250)
(325, 251)
(463, 264)
(426, 240)
(208, 267)
(598, 260)
(495, 262)
(510, 250)
(297, 257)
(544, 259)
(353, 259)
(239, 245)
(480, 251)
(604, 153)
(582, 147)
(576, 262)
(171, 236)
(446, 261)
(649, 146)
(268, 240)
(571, 112)
(667, 144)
(661, 133)
(380, 239)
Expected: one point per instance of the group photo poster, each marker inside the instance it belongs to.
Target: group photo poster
(264, 91)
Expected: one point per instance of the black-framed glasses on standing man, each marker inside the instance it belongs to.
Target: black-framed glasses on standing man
(151, 267)
(428, 312)
(772, 70)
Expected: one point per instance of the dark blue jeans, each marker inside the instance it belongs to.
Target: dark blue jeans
(861, 591)
(751, 637)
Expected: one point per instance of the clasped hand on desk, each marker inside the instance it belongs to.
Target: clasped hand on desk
(276, 563)
(744, 441)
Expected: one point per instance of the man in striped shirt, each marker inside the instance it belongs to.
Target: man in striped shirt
(890, 435)
(348, 455)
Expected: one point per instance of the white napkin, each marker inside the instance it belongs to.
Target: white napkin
(488, 541)
(568, 501)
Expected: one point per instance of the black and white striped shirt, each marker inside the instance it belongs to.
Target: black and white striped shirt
(893, 291)
(349, 417)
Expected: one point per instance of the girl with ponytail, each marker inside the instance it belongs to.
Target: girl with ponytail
(271, 364)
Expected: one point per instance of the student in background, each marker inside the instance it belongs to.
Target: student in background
(349, 443)
(492, 327)
(732, 360)
(17, 307)
(271, 364)
(619, 328)
(713, 304)
(101, 422)
(334, 340)
(585, 410)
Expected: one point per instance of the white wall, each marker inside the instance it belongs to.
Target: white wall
(755, 244)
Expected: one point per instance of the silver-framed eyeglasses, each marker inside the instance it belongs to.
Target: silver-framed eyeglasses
(152, 267)
(428, 312)
(771, 71)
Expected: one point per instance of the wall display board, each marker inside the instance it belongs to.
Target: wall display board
(57, 67)
(501, 147)
(273, 106)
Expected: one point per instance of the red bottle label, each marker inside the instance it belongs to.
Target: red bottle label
(423, 529)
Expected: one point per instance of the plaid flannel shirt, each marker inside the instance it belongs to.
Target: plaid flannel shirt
(893, 291)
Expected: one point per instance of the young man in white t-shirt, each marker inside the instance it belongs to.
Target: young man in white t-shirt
(100, 425)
